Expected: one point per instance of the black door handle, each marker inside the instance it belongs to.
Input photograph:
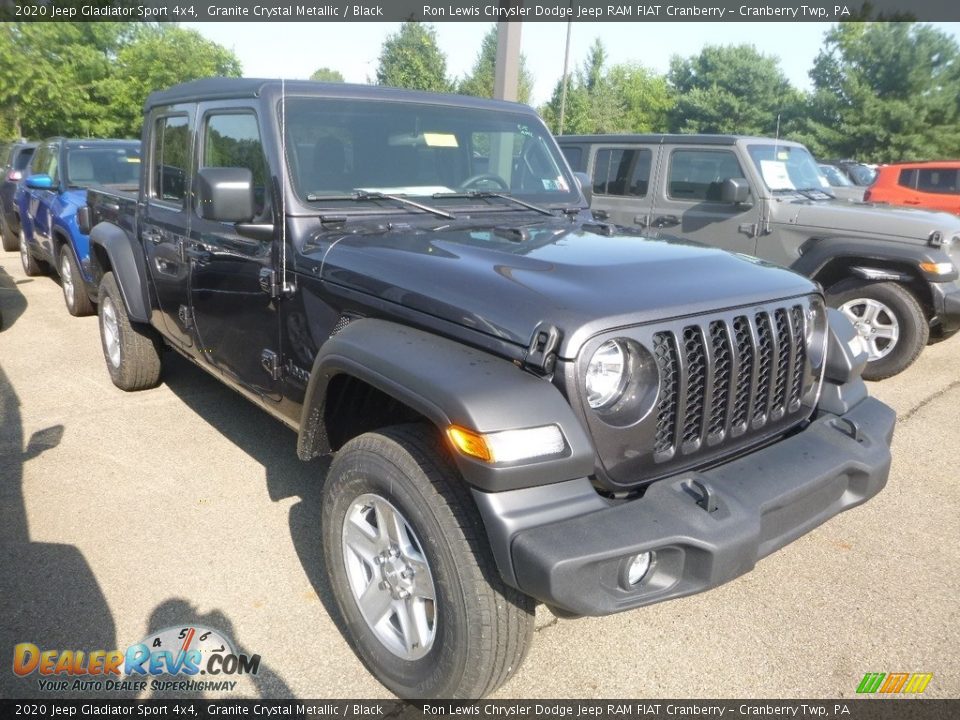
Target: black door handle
(600, 215)
(662, 221)
(199, 255)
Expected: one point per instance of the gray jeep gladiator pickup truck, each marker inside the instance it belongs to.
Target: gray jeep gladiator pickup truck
(524, 404)
(891, 271)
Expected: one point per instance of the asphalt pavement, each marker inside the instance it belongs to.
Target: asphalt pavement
(124, 514)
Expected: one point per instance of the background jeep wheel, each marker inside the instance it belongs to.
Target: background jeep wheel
(31, 266)
(74, 291)
(412, 573)
(132, 351)
(891, 322)
(8, 237)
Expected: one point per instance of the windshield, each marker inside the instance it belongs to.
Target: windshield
(861, 174)
(834, 176)
(787, 167)
(103, 165)
(349, 149)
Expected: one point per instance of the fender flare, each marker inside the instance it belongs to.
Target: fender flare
(818, 253)
(447, 383)
(128, 267)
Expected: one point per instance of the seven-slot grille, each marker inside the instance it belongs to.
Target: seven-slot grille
(727, 378)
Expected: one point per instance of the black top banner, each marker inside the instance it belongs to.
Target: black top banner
(478, 10)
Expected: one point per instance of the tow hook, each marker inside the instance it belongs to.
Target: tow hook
(847, 427)
(706, 498)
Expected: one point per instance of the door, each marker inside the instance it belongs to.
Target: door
(688, 203)
(237, 326)
(621, 184)
(39, 222)
(165, 219)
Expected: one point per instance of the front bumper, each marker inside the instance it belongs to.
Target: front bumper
(946, 306)
(759, 503)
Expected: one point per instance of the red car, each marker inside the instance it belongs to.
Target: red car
(930, 185)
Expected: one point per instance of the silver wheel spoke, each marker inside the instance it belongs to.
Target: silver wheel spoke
(890, 332)
(422, 583)
(389, 524)
(870, 311)
(360, 542)
(413, 624)
(375, 603)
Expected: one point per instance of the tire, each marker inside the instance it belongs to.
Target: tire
(31, 266)
(74, 291)
(132, 351)
(481, 628)
(879, 309)
(7, 236)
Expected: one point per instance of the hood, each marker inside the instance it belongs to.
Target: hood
(885, 222)
(559, 273)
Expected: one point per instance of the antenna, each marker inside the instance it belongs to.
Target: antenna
(283, 184)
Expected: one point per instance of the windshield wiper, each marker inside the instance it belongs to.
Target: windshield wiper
(490, 194)
(358, 195)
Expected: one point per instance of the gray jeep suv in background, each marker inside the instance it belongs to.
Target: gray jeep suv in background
(891, 271)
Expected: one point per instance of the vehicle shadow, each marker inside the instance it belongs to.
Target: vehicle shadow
(12, 301)
(49, 595)
(273, 446)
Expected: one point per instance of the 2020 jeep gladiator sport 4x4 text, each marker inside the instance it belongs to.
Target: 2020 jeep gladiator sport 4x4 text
(524, 405)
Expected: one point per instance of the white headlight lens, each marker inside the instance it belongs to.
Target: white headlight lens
(606, 375)
(526, 444)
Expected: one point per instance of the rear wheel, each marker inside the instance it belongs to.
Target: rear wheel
(132, 351)
(31, 266)
(412, 572)
(9, 238)
(74, 291)
(889, 320)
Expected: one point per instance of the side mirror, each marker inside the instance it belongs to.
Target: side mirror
(735, 191)
(586, 186)
(225, 194)
(40, 182)
(84, 219)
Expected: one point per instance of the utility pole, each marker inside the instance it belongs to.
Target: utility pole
(566, 65)
(506, 75)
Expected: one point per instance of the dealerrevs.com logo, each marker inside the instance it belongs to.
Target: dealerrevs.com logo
(179, 654)
(894, 683)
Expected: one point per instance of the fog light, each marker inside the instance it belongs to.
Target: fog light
(637, 570)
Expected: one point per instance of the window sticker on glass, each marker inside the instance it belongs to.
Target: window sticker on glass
(783, 155)
(824, 182)
(775, 175)
(440, 140)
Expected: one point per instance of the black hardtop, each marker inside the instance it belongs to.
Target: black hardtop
(93, 142)
(222, 88)
(668, 139)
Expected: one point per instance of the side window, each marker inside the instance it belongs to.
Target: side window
(699, 174)
(908, 178)
(23, 159)
(233, 140)
(40, 160)
(937, 180)
(170, 159)
(621, 171)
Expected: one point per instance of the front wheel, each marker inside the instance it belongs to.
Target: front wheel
(132, 351)
(74, 292)
(890, 321)
(412, 573)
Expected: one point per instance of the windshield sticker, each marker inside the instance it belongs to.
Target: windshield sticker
(824, 182)
(440, 140)
(775, 175)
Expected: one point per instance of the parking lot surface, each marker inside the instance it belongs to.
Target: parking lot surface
(124, 514)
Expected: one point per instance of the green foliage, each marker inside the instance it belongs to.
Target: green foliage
(326, 74)
(91, 79)
(885, 92)
(479, 82)
(730, 89)
(411, 59)
(627, 98)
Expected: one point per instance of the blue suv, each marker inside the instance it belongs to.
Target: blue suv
(47, 202)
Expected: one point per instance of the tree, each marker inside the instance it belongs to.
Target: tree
(886, 92)
(730, 89)
(411, 59)
(479, 82)
(627, 98)
(154, 60)
(326, 74)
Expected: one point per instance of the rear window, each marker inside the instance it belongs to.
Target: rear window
(908, 178)
(622, 171)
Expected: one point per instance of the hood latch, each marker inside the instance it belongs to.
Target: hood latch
(541, 353)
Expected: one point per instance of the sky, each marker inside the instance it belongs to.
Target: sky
(295, 50)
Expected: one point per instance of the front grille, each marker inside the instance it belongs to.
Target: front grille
(728, 378)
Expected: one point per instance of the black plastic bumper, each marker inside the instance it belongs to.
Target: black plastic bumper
(759, 503)
(946, 306)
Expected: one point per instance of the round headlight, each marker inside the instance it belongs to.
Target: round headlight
(606, 375)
